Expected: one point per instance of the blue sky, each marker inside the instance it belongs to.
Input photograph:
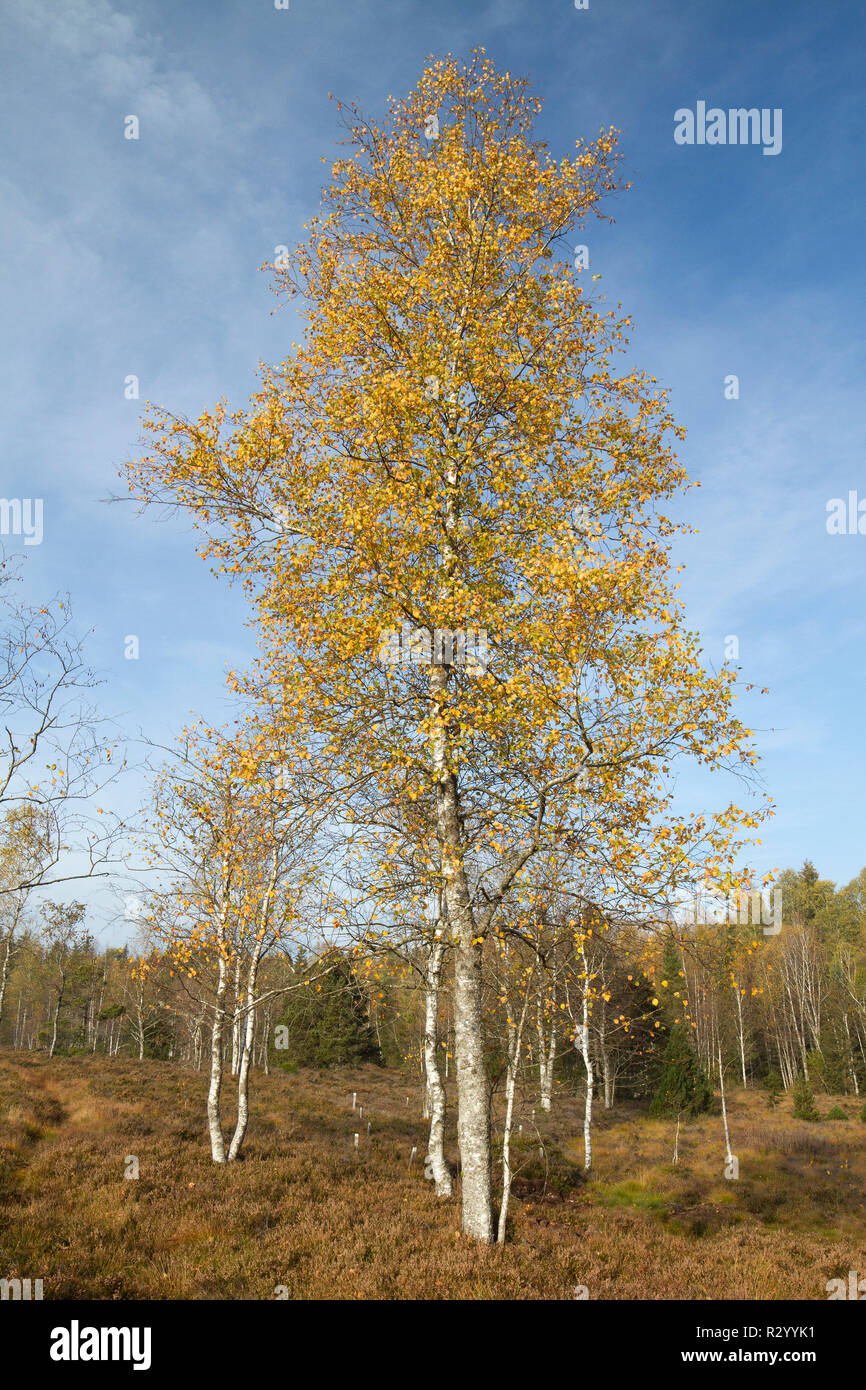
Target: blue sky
(142, 257)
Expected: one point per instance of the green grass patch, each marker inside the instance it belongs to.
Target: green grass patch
(631, 1195)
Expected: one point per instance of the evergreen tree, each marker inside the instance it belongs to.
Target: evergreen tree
(804, 1100)
(683, 1088)
(328, 1022)
(773, 1087)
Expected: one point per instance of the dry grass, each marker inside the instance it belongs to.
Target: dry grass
(304, 1211)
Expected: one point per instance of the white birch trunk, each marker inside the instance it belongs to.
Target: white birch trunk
(214, 1119)
(607, 1076)
(588, 1065)
(472, 1087)
(248, 1031)
(236, 1021)
(473, 1092)
(436, 1099)
(425, 1086)
(243, 1086)
(246, 1056)
(4, 975)
(741, 1036)
(515, 1038)
(266, 1035)
(728, 1154)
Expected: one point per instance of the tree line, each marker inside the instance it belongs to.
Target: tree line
(597, 1007)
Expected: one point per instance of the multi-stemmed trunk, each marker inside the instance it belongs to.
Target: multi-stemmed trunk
(243, 1088)
(247, 1030)
(246, 1056)
(214, 1119)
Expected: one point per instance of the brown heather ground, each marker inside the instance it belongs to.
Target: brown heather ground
(303, 1211)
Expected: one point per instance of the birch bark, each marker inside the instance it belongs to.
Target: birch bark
(588, 1065)
(435, 1088)
(249, 1028)
(236, 1021)
(515, 1039)
(728, 1154)
(214, 1118)
(741, 1035)
(217, 1142)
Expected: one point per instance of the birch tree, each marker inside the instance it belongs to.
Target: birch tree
(235, 836)
(452, 451)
